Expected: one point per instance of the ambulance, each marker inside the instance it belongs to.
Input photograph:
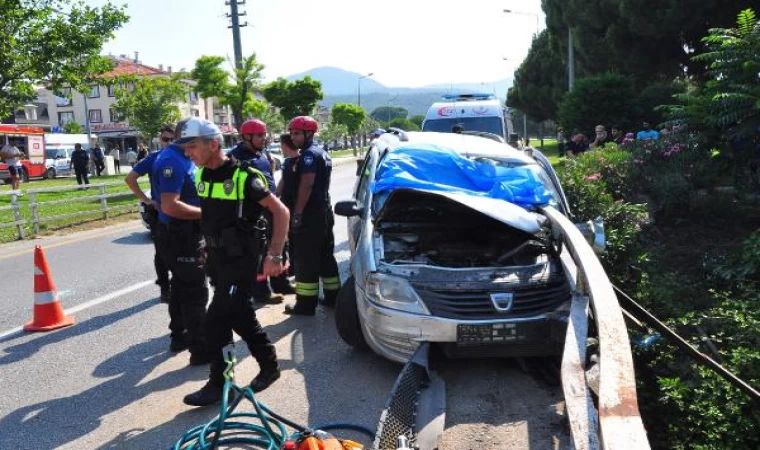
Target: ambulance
(469, 112)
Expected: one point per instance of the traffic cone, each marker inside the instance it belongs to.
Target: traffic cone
(48, 314)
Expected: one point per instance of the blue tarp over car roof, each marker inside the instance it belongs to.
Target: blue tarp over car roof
(434, 168)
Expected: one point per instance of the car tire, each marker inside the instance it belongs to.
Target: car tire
(50, 173)
(347, 316)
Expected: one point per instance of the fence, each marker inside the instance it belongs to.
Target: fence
(29, 223)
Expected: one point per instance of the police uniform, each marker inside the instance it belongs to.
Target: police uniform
(288, 198)
(234, 231)
(313, 240)
(145, 167)
(259, 161)
(180, 245)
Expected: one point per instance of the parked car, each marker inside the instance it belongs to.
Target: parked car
(276, 152)
(431, 261)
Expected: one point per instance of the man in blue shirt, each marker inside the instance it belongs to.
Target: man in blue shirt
(252, 150)
(647, 133)
(180, 245)
(145, 167)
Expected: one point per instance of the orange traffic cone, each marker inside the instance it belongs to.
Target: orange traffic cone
(48, 314)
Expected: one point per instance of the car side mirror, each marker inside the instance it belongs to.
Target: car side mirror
(348, 208)
(359, 165)
(593, 231)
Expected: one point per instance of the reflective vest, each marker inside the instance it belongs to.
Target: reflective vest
(232, 189)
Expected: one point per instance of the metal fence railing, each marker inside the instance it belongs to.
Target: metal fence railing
(34, 207)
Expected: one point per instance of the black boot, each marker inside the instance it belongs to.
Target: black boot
(281, 285)
(299, 310)
(265, 378)
(209, 394)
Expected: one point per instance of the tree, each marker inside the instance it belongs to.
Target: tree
(73, 127)
(388, 113)
(333, 132)
(404, 124)
(235, 90)
(151, 103)
(39, 45)
(349, 115)
(604, 99)
(417, 120)
(540, 81)
(294, 98)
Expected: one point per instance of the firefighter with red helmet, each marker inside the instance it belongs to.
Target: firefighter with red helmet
(252, 151)
(312, 222)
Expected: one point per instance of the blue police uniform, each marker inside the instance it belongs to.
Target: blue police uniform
(180, 244)
(258, 160)
(145, 167)
(313, 240)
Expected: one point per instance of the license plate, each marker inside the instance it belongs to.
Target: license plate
(490, 333)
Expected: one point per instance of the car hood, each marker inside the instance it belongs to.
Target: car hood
(501, 210)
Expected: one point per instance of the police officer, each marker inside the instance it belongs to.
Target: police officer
(233, 200)
(288, 187)
(252, 150)
(312, 222)
(180, 245)
(80, 160)
(145, 167)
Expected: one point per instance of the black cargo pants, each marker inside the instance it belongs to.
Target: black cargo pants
(232, 309)
(180, 246)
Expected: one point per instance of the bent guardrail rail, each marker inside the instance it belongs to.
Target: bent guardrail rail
(616, 424)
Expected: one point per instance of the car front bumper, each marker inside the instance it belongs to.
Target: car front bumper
(396, 334)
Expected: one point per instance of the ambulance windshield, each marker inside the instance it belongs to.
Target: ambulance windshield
(445, 125)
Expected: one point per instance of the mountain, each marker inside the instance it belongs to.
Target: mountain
(340, 86)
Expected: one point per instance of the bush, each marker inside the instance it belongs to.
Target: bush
(596, 184)
(605, 99)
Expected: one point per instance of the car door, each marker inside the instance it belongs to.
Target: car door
(362, 197)
(62, 161)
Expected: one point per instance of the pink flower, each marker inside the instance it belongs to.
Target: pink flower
(593, 177)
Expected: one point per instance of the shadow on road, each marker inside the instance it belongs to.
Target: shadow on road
(49, 424)
(38, 341)
(136, 238)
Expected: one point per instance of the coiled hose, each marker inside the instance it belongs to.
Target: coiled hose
(228, 428)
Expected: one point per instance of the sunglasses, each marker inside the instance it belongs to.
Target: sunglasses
(165, 139)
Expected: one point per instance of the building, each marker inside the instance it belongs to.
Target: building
(105, 125)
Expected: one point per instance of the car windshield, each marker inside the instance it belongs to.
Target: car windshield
(488, 124)
(50, 154)
(274, 148)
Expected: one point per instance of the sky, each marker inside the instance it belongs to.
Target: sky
(404, 43)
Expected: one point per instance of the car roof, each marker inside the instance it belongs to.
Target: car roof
(467, 145)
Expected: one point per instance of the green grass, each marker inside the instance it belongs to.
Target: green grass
(92, 207)
(346, 153)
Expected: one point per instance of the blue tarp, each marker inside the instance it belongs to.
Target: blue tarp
(434, 168)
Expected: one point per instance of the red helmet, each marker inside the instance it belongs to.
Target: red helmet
(254, 126)
(303, 123)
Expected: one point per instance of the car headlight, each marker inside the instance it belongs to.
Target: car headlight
(394, 293)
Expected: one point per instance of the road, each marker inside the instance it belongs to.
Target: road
(110, 382)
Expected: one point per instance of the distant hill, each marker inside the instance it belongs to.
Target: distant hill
(339, 86)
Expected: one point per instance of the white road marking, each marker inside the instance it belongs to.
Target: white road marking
(91, 303)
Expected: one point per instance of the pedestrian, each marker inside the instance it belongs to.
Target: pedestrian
(180, 244)
(131, 158)
(647, 133)
(252, 150)
(12, 157)
(80, 160)
(233, 199)
(142, 153)
(577, 145)
(150, 205)
(561, 141)
(312, 222)
(116, 154)
(617, 135)
(98, 159)
(287, 189)
(601, 137)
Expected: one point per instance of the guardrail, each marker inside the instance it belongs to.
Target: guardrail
(37, 207)
(616, 422)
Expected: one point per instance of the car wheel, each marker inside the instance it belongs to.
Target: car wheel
(347, 316)
(50, 173)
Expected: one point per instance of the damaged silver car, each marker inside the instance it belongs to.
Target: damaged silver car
(474, 275)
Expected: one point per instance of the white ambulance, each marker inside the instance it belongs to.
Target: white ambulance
(471, 113)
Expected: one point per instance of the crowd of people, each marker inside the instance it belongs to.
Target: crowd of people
(219, 216)
(575, 142)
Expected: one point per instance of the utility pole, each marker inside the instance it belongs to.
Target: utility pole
(570, 60)
(234, 17)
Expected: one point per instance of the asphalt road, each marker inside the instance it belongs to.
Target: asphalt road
(109, 382)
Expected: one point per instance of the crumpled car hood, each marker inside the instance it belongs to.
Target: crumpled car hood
(501, 210)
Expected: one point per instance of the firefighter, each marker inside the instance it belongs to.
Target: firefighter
(180, 245)
(252, 149)
(312, 222)
(233, 199)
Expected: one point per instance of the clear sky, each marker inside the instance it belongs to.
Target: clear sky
(405, 43)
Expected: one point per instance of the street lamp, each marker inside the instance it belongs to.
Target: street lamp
(359, 87)
(389, 107)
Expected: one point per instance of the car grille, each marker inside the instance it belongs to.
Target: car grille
(477, 305)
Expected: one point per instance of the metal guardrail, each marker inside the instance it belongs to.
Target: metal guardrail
(616, 423)
(36, 207)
